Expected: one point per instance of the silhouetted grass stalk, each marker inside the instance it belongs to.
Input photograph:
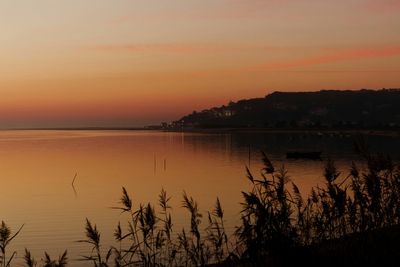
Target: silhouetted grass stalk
(275, 219)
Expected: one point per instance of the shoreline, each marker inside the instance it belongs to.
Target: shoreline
(317, 131)
(383, 132)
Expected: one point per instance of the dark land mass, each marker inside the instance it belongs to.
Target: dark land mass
(372, 248)
(326, 109)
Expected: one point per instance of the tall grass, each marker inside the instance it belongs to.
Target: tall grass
(46, 261)
(6, 237)
(275, 218)
(276, 221)
(149, 240)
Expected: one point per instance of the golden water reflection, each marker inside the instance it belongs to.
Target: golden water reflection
(38, 167)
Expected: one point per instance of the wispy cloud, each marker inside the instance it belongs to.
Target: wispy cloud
(166, 48)
(183, 48)
(332, 57)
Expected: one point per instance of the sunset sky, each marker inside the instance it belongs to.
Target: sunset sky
(132, 63)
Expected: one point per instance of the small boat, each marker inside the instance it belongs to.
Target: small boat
(303, 155)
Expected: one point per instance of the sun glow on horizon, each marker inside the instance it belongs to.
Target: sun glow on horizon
(132, 63)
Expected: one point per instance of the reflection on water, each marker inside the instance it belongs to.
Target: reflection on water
(53, 180)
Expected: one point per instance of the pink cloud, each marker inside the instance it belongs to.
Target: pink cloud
(382, 6)
(333, 57)
(184, 48)
(166, 48)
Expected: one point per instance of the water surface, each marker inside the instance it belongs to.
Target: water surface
(38, 167)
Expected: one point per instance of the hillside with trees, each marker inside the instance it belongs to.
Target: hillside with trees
(323, 109)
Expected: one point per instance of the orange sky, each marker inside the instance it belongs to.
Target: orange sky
(132, 63)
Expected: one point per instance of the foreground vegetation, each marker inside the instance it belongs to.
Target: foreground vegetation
(350, 220)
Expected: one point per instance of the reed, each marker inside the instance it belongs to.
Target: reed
(93, 239)
(6, 237)
(46, 261)
(278, 226)
(276, 220)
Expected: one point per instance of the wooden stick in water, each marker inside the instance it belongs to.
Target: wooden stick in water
(249, 155)
(155, 163)
(73, 184)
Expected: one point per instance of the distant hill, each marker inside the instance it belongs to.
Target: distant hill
(322, 109)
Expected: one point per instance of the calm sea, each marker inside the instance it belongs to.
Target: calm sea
(37, 169)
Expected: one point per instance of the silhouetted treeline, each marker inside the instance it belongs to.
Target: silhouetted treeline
(323, 109)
